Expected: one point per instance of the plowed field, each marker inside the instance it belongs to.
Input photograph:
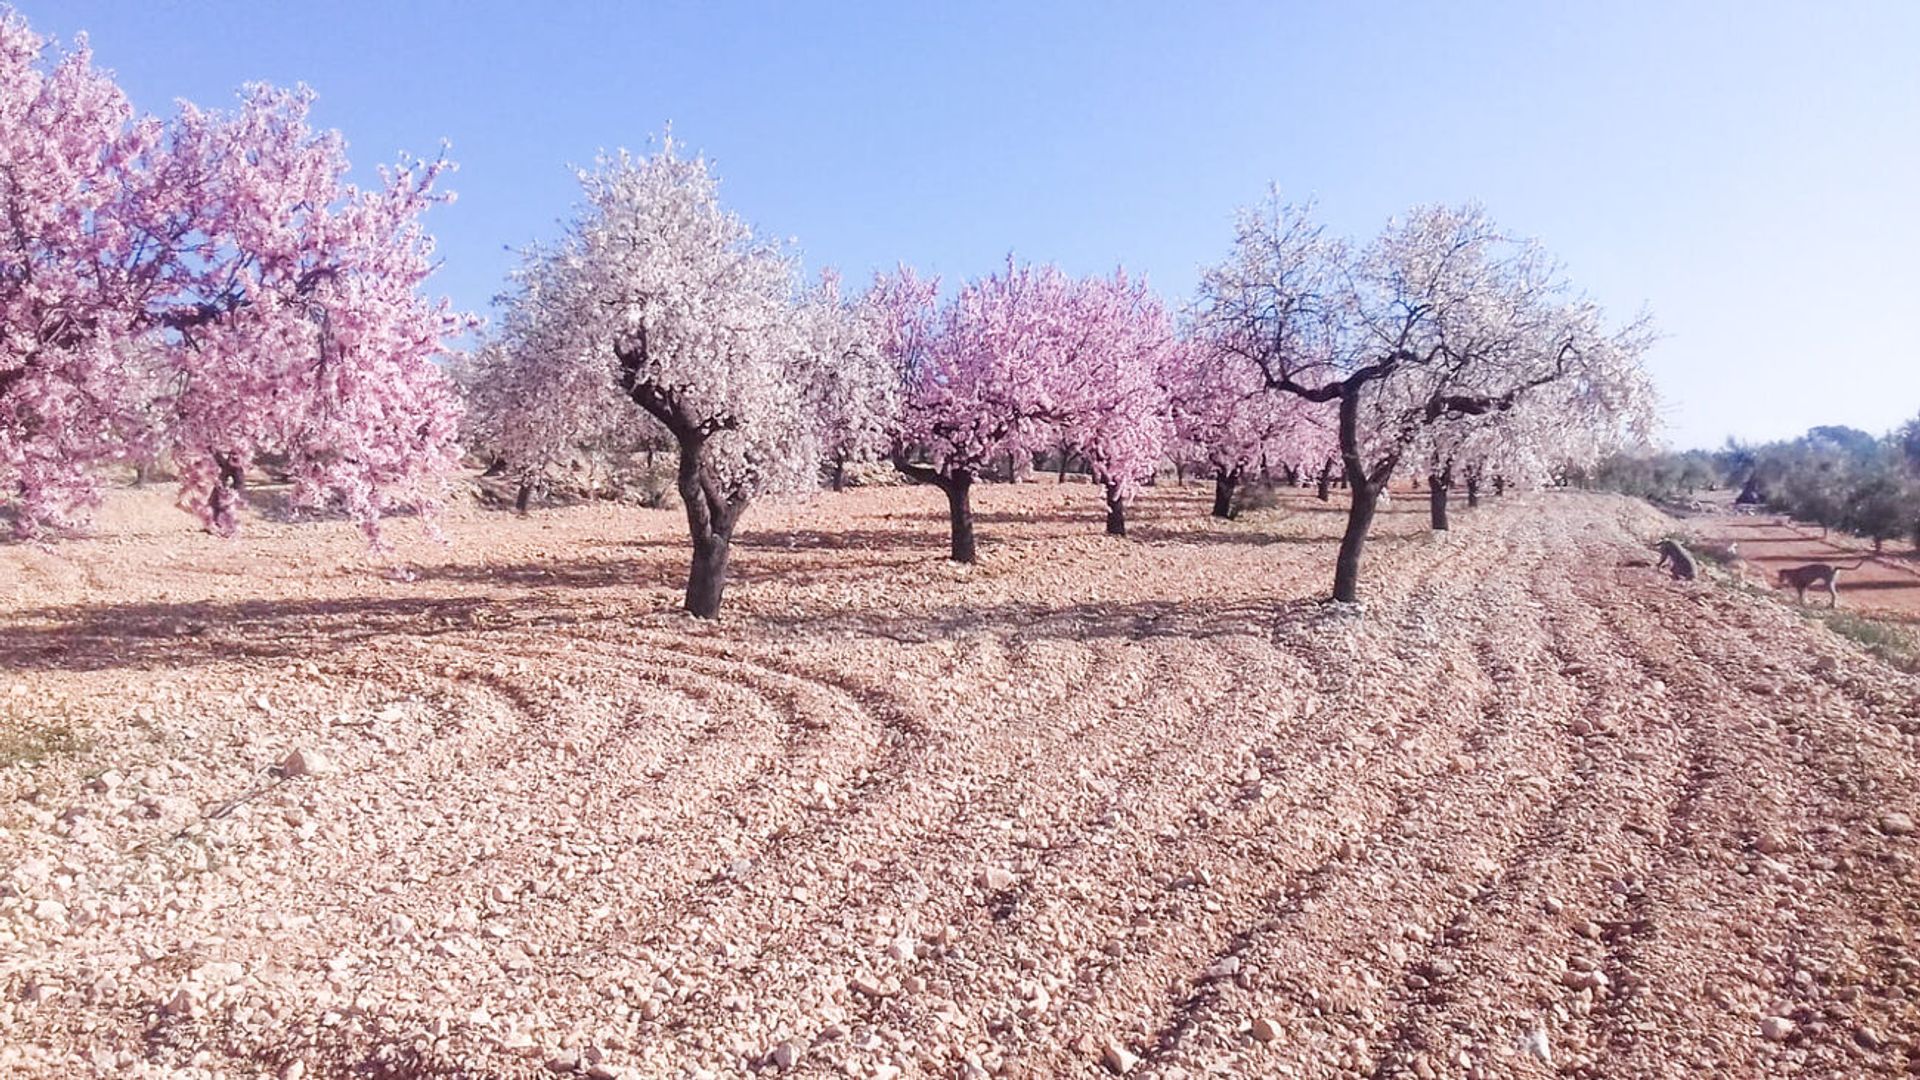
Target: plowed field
(1093, 806)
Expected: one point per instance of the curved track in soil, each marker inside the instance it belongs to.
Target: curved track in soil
(1538, 812)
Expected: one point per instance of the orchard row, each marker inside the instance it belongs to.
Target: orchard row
(209, 288)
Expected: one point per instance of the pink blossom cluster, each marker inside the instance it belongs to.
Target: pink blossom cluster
(208, 289)
(1026, 359)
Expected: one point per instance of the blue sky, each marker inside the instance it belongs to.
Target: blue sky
(1747, 171)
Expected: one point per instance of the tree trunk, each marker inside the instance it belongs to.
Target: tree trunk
(839, 474)
(1060, 476)
(1225, 483)
(228, 491)
(1499, 485)
(708, 578)
(232, 476)
(524, 497)
(1473, 491)
(1362, 502)
(1116, 512)
(710, 524)
(1437, 502)
(959, 489)
(1346, 569)
(1324, 482)
(1180, 473)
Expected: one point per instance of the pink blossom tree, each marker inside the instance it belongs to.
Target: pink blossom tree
(1112, 339)
(1441, 318)
(980, 377)
(660, 302)
(1228, 423)
(209, 288)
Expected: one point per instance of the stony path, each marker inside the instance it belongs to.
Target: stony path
(1094, 806)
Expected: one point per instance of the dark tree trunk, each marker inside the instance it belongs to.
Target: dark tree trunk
(839, 480)
(1224, 485)
(1060, 476)
(710, 521)
(1346, 569)
(1437, 502)
(1116, 512)
(1180, 473)
(707, 580)
(1324, 482)
(959, 489)
(1473, 491)
(524, 497)
(140, 475)
(228, 491)
(497, 467)
(1363, 501)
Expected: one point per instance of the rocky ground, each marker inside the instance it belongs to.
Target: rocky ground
(278, 809)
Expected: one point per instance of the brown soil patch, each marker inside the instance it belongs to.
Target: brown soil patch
(1539, 812)
(1885, 584)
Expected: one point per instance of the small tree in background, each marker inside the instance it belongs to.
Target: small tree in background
(1228, 423)
(980, 378)
(852, 389)
(1111, 343)
(1880, 502)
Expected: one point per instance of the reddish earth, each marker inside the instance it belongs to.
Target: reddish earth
(1885, 584)
(1093, 806)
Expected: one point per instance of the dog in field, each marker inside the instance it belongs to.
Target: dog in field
(1678, 559)
(1802, 578)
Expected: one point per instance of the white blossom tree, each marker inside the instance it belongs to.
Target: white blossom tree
(853, 391)
(1440, 318)
(659, 298)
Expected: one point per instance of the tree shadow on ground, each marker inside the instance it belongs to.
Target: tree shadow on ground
(1135, 621)
(162, 636)
(1150, 534)
(148, 636)
(842, 539)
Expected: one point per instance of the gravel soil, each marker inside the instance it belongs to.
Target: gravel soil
(281, 808)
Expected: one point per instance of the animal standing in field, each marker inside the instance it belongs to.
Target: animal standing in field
(1802, 578)
(1677, 559)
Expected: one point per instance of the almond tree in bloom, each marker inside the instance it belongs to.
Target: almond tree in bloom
(1567, 427)
(530, 418)
(1112, 339)
(979, 374)
(659, 299)
(208, 288)
(1228, 422)
(1440, 318)
(851, 387)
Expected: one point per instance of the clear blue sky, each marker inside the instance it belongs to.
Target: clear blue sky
(1749, 171)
